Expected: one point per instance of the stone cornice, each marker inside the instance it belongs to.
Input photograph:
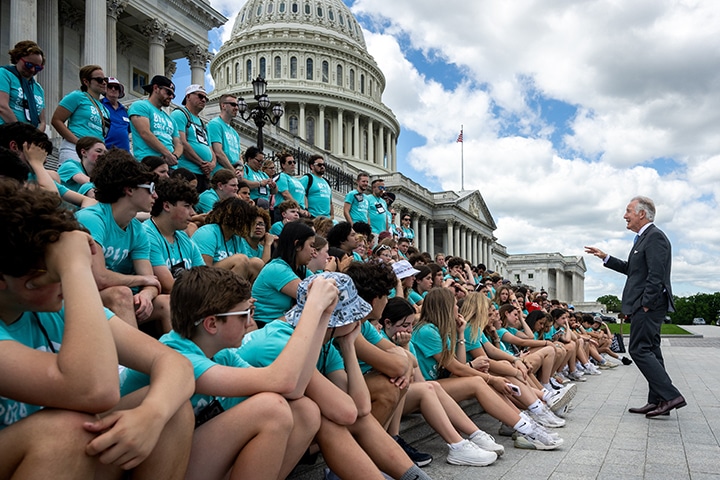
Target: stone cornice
(201, 12)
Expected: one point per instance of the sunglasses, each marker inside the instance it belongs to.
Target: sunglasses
(100, 79)
(149, 186)
(232, 104)
(114, 86)
(242, 313)
(319, 165)
(202, 97)
(290, 162)
(33, 66)
(169, 91)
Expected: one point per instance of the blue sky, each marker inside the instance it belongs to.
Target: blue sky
(569, 109)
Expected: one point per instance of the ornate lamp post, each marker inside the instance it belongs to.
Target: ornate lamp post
(260, 114)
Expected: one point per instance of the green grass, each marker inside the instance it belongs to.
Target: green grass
(667, 329)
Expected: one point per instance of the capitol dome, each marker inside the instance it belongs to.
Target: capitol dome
(312, 54)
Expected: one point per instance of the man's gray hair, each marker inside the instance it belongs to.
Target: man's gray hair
(645, 204)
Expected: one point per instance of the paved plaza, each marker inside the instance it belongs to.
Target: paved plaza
(603, 440)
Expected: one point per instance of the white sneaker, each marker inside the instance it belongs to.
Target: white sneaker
(487, 442)
(470, 454)
(547, 419)
(562, 397)
(538, 440)
(591, 369)
(563, 411)
(577, 376)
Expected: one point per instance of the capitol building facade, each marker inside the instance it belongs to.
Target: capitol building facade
(313, 55)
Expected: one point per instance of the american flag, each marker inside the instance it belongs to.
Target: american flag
(460, 139)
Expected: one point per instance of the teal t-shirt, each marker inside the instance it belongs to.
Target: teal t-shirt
(377, 212)
(161, 126)
(86, 115)
(372, 335)
(26, 331)
(222, 133)
(358, 206)
(253, 176)
(210, 241)
(120, 246)
(261, 347)
(207, 201)
(408, 233)
(196, 136)
(471, 345)
(162, 252)
(270, 302)
(319, 196)
(428, 343)
(276, 228)
(506, 346)
(415, 297)
(68, 170)
(10, 84)
(290, 184)
(251, 252)
(131, 380)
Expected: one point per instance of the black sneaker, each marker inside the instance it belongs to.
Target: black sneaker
(420, 459)
(626, 361)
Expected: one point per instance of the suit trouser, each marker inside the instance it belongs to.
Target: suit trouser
(645, 350)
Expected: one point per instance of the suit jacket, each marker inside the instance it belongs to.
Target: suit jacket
(648, 273)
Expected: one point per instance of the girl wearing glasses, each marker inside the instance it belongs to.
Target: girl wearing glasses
(289, 187)
(22, 99)
(83, 111)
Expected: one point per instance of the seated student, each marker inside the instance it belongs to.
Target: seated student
(560, 334)
(158, 165)
(60, 349)
(33, 147)
(220, 239)
(123, 187)
(74, 174)
(442, 413)
(349, 437)
(342, 239)
(592, 344)
(459, 271)
(438, 355)
(250, 422)
(601, 330)
(258, 242)
(223, 184)
(403, 246)
(321, 260)
(171, 250)
(406, 278)
(289, 211)
(276, 286)
(423, 284)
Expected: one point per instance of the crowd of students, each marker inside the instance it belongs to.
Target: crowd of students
(249, 341)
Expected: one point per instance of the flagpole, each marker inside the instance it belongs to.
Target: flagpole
(462, 160)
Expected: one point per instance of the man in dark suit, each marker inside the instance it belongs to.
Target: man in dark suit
(647, 297)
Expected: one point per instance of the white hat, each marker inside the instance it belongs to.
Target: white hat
(194, 88)
(403, 269)
(115, 81)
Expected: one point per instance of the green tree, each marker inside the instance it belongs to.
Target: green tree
(612, 302)
(704, 305)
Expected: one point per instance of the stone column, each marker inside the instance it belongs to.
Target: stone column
(170, 69)
(489, 263)
(23, 24)
(473, 248)
(380, 146)
(198, 57)
(301, 123)
(356, 136)
(559, 285)
(450, 238)
(463, 242)
(339, 146)
(431, 239)
(158, 34)
(95, 51)
(320, 137)
(393, 148)
(414, 224)
(388, 150)
(371, 142)
(456, 241)
(114, 9)
(423, 235)
(284, 118)
(48, 36)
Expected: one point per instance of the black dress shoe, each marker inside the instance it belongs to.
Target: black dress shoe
(664, 408)
(644, 409)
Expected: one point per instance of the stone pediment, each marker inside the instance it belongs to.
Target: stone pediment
(473, 202)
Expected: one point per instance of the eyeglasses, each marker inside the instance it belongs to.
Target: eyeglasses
(202, 97)
(260, 224)
(149, 186)
(168, 91)
(33, 66)
(319, 165)
(406, 219)
(232, 104)
(381, 188)
(290, 162)
(100, 79)
(114, 86)
(242, 313)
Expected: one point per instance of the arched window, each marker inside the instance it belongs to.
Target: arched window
(248, 71)
(307, 9)
(270, 7)
(309, 69)
(281, 8)
(293, 123)
(339, 79)
(259, 10)
(328, 130)
(342, 19)
(331, 14)
(294, 7)
(325, 71)
(319, 11)
(310, 130)
(237, 73)
(228, 78)
(278, 67)
(293, 67)
(362, 83)
(365, 145)
(262, 67)
(352, 79)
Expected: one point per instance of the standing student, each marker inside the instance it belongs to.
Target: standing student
(355, 208)
(118, 134)
(317, 189)
(197, 156)
(22, 99)
(289, 187)
(647, 297)
(224, 140)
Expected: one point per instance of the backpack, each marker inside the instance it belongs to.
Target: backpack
(311, 178)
